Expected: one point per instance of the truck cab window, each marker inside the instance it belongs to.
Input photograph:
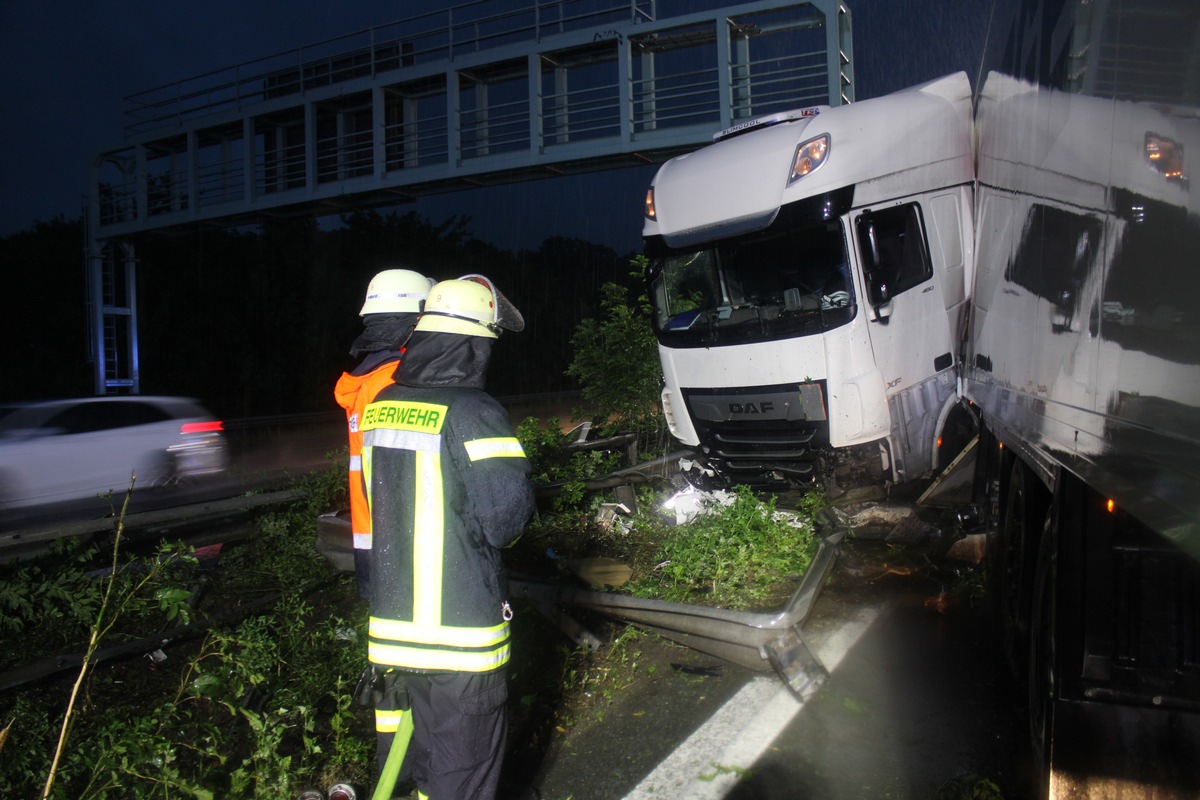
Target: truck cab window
(900, 245)
(787, 280)
(688, 284)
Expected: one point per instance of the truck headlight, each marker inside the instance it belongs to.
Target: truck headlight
(809, 156)
(668, 411)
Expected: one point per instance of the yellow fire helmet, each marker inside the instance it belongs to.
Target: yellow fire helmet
(469, 306)
(396, 291)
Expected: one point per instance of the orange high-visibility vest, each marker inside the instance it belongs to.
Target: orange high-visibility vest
(353, 393)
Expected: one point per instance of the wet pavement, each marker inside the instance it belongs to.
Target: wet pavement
(917, 704)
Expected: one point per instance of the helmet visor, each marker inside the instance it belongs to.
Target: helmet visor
(507, 315)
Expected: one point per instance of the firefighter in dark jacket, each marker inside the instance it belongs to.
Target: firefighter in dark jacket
(389, 313)
(448, 487)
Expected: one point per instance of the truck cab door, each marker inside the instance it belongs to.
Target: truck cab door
(911, 336)
(910, 333)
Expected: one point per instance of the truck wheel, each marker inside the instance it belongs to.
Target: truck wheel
(1042, 678)
(1025, 504)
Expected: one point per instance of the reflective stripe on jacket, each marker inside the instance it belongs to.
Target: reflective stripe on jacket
(352, 393)
(448, 486)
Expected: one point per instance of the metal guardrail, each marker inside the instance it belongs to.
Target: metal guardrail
(759, 641)
(222, 520)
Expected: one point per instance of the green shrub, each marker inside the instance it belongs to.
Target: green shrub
(253, 710)
(615, 361)
(552, 464)
(737, 556)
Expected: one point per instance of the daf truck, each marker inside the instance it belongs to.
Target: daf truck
(1026, 255)
(809, 272)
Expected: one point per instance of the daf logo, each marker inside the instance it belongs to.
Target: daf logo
(751, 408)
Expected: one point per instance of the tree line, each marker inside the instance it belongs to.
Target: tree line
(259, 321)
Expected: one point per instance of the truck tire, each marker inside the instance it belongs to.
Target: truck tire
(1022, 520)
(1042, 675)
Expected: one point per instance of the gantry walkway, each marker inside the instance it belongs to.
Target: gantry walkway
(472, 95)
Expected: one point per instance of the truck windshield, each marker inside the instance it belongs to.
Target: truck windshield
(782, 282)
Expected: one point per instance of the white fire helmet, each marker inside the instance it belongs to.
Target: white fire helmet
(396, 291)
(469, 306)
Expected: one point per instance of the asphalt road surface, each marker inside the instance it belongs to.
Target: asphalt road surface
(917, 704)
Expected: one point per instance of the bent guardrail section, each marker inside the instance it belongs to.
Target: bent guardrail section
(757, 640)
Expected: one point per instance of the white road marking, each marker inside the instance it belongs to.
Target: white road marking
(706, 765)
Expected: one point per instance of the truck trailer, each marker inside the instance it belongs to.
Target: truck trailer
(1082, 365)
(1024, 256)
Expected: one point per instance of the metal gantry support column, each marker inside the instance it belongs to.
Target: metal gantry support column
(453, 121)
(248, 154)
(112, 309)
(725, 72)
(537, 104)
(310, 147)
(841, 57)
(193, 162)
(625, 90)
(112, 296)
(378, 129)
(129, 338)
(95, 301)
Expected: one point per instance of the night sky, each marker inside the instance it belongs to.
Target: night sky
(66, 64)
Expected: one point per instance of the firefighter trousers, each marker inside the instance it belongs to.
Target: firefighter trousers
(459, 728)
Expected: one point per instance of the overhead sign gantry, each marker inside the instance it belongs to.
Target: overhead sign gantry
(473, 95)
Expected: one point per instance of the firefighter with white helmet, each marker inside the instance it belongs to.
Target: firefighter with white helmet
(394, 299)
(448, 487)
(395, 291)
(460, 306)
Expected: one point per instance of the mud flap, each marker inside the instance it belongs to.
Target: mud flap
(791, 659)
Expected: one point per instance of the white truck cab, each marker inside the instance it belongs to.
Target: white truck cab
(809, 275)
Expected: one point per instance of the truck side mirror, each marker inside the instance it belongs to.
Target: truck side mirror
(878, 290)
(881, 293)
(881, 298)
(870, 243)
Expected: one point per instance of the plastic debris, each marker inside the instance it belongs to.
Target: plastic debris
(690, 502)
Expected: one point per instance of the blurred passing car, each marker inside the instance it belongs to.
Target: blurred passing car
(62, 450)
